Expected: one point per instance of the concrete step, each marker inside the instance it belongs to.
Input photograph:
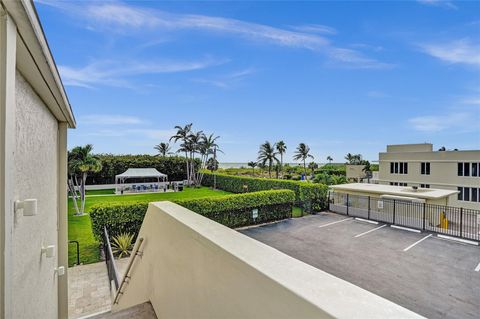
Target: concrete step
(142, 311)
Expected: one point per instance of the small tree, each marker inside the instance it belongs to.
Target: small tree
(267, 154)
(163, 149)
(313, 166)
(281, 149)
(81, 161)
(212, 164)
(302, 153)
(329, 159)
(252, 165)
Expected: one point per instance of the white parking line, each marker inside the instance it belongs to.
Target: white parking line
(359, 235)
(478, 267)
(406, 228)
(460, 240)
(338, 221)
(366, 221)
(417, 242)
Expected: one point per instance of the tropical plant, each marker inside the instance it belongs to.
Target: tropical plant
(301, 154)
(212, 164)
(122, 245)
(163, 149)
(268, 155)
(353, 159)
(182, 135)
(81, 161)
(329, 159)
(197, 147)
(281, 149)
(312, 166)
(252, 165)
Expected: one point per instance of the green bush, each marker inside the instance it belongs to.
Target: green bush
(231, 210)
(112, 165)
(236, 210)
(310, 196)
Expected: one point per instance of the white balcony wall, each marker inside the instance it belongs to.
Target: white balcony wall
(193, 267)
(34, 293)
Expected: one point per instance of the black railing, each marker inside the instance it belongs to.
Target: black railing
(109, 260)
(78, 250)
(448, 220)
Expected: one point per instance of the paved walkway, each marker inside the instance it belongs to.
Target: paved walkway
(89, 290)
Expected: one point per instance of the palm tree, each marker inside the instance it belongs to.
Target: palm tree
(329, 159)
(267, 154)
(163, 149)
(252, 165)
(349, 157)
(281, 149)
(182, 134)
(81, 161)
(302, 153)
(312, 166)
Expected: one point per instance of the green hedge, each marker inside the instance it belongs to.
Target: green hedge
(311, 196)
(173, 166)
(231, 210)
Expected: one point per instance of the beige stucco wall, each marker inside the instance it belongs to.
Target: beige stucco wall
(443, 171)
(35, 174)
(193, 267)
(355, 171)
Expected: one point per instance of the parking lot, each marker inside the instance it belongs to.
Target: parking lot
(435, 277)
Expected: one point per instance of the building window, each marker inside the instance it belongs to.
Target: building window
(460, 169)
(424, 185)
(425, 168)
(460, 193)
(466, 169)
(399, 168)
(474, 194)
(466, 194)
(475, 169)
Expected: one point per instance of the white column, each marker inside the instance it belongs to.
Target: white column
(62, 220)
(8, 38)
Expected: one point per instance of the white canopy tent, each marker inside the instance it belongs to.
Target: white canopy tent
(138, 173)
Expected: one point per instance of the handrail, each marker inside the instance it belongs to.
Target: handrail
(109, 259)
(78, 250)
(135, 253)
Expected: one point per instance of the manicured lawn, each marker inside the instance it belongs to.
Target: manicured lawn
(80, 228)
(110, 191)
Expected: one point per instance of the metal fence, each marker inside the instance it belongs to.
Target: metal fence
(109, 260)
(448, 220)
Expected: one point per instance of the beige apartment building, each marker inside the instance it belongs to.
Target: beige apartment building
(419, 165)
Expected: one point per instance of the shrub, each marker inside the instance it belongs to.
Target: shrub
(231, 210)
(314, 194)
(112, 165)
(122, 245)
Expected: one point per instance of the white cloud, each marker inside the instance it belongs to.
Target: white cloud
(109, 119)
(463, 121)
(115, 73)
(315, 28)
(461, 51)
(439, 3)
(123, 18)
(226, 81)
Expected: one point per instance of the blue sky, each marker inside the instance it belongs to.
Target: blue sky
(339, 76)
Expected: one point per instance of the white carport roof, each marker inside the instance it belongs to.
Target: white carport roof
(140, 172)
